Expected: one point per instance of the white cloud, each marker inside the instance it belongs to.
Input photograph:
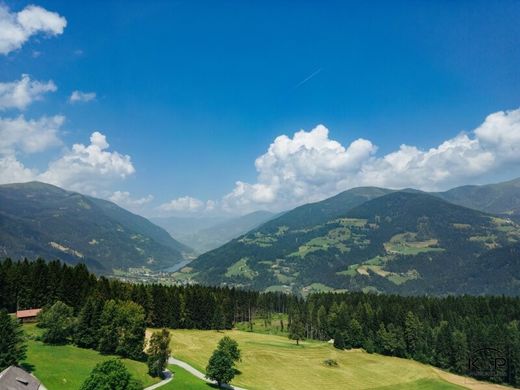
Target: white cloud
(183, 204)
(13, 171)
(124, 199)
(83, 168)
(19, 94)
(86, 168)
(29, 136)
(78, 96)
(17, 27)
(310, 166)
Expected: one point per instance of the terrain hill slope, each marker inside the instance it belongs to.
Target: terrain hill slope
(41, 220)
(499, 198)
(373, 240)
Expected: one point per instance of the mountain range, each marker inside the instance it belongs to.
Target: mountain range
(464, 240)
(207, 233)
(41, 220)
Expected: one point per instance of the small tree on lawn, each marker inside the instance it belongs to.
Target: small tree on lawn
(111, 375)
(296, 329)
(220, 367)
(58, 322)
(158, 352)
(12, 346)
(230, 346)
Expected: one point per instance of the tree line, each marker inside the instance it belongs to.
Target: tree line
(450, 332)
(468, 335)
(36, 284)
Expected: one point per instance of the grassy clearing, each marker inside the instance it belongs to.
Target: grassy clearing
(277, 325)
(274, 362)
(65, 367)
(317, 288)
(335, 238)
(278, 288)
(407, 244)
(240, 268)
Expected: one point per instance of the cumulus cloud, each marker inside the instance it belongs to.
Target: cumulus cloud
(17, 27)
(311, 166)
(85, 168)
(21, 93)
(19, 135)
(187, 204)
(29, 136)
(124, 199)
(78, 96)
(13, 171)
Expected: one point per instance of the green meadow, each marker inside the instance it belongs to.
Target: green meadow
(65, 367)
(274, 362)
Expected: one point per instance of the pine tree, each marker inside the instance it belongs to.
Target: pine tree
(86, 334)
(339, 340)
(459, 352)
(108, 330)
(12, 346)
(356, 333)
(412, 330)
(296, 328)
(219, 319)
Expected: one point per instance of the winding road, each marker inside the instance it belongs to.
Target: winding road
(192, 370)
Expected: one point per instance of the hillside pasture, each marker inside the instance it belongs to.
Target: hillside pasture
(274, 362)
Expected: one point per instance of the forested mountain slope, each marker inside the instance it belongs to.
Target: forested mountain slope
(499, 198)
(372, 239)
(41, 220)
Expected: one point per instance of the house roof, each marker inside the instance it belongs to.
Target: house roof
(15, 378)
(27, 313)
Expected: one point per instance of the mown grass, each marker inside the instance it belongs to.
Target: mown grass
(183, 380)
(274, 362)
(65, 367)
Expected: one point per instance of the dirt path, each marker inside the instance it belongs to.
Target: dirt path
(166, 380)
(468, 383)
(197, 373)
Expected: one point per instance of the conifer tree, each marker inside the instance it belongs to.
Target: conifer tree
(12, 343)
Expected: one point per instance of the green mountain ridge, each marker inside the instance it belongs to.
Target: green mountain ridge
(41, 220)
(370, 239)
(499, 198)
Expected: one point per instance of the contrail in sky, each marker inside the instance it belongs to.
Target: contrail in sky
(315, 73)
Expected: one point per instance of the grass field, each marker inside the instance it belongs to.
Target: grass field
(65, 367)
(183, 380)
(274, 362)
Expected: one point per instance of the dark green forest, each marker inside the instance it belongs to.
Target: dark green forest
(404, 243)
(462, 334)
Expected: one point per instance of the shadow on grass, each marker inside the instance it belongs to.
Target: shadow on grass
(27, 366)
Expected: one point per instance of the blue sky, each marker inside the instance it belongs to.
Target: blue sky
(194, 92)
